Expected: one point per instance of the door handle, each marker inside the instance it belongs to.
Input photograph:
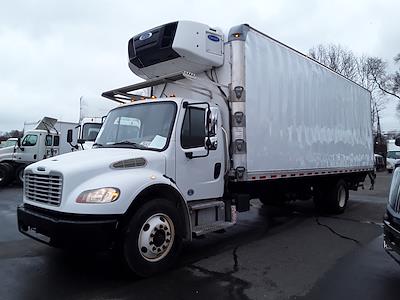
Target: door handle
(217, 170)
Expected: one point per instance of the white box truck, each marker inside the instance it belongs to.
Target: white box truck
(229, 117)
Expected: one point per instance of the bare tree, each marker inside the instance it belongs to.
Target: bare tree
(11, 134)
(377, 72)
(336, 58)
(369, 72)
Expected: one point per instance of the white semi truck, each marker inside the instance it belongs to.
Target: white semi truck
(41, 140)
(50, 137)
(229, 117)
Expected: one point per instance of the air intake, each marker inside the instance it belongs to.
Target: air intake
(129, 163)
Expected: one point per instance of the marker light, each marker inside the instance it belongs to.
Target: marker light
(102, 195)
(236, 35)
(153, 97)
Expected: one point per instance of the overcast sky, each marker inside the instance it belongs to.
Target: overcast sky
(53, 52)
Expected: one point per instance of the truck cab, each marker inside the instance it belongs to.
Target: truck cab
(88, 130)
(157, 167)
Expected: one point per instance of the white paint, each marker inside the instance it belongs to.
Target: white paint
(301, 115)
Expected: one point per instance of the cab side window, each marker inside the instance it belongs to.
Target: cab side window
(56, 141)
(193, 129)
(49, 140)
(30, 140)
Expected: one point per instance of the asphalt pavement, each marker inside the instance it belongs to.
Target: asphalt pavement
(272, 253)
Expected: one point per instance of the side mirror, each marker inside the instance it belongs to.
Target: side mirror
(211, 122)
(19, 142)
(69, 136)
(397, 141)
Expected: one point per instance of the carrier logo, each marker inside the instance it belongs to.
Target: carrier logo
(213, 38)
(145, 36)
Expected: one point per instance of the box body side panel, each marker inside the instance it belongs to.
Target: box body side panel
(301, 115)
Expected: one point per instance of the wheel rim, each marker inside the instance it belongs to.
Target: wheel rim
(342, 197)
(156, 237)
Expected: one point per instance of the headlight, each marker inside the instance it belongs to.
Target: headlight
(103, 195)
(388, 165)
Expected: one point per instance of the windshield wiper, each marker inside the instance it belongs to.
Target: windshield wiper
(128, 143)
(98, 145)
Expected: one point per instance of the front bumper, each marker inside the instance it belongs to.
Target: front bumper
(67, 230)
(391, 235)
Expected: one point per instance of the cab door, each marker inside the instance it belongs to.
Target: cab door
(199, 171)
(29, 150)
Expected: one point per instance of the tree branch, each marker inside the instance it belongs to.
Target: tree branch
(384, 90)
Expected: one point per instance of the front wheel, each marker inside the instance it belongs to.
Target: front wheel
(6, 174)
(19, 174)
(153, 238)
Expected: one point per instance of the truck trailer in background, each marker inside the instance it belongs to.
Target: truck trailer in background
(229, 117)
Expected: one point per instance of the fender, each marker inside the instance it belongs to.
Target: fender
(168, 190)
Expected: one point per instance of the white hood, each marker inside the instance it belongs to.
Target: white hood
(95, 160)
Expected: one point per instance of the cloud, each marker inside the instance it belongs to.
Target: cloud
(53, 52)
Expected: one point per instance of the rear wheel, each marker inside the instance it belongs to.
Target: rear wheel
(6, 174)
(332, 197)
(153, 238)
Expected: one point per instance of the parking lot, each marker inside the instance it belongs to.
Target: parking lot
(272, 253)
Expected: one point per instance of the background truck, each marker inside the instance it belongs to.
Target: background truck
(41, 140)
(229, 117)
(92, 111)
(50, 137)
(393, 155)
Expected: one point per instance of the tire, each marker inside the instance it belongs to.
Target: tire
(332, 197)
(152, 240)
(6, 174)
(19, 174)
(390, 171)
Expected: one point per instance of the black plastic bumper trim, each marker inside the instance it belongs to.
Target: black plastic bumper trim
(64, 230)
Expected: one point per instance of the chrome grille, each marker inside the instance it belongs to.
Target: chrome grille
(43, 188)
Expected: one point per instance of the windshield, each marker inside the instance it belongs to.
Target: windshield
(393, 154)
(90, 131)
(8, 143)
(143, 126)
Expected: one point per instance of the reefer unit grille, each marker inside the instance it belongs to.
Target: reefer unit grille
(43, 188)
